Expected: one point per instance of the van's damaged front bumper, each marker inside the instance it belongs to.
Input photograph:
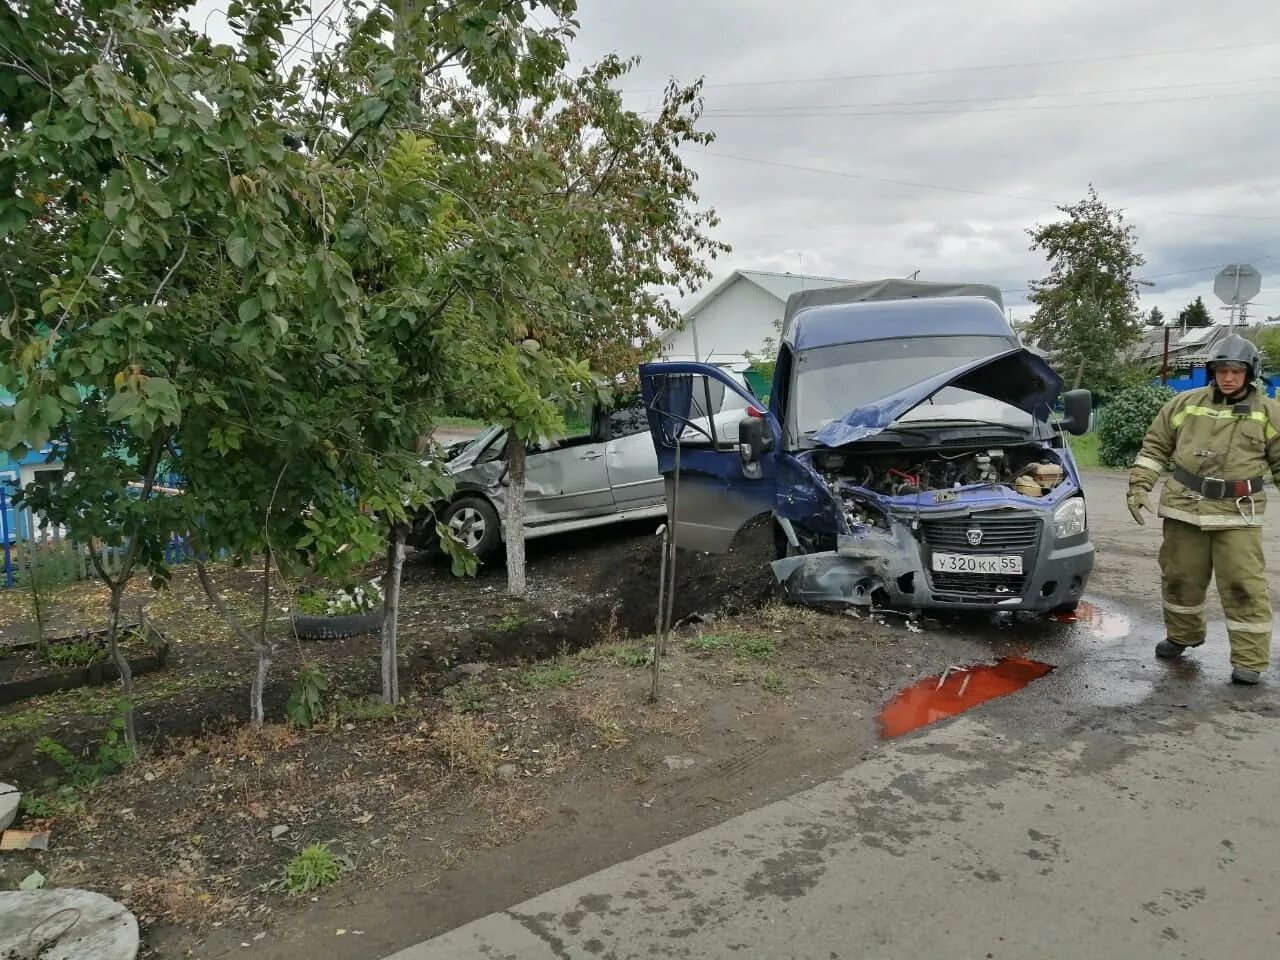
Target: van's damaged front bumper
(891, 568)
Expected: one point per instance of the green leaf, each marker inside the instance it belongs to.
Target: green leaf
(123, 405)
(240, 249)
(32, 881)
(12, 220)
(279, 325)
(250, 308)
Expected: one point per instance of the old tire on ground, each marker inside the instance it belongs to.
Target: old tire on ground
(310, 627)
(474, 521)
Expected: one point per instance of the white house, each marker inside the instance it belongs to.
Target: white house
(733, 317)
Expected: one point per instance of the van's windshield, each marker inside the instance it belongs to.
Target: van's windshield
(832, 381)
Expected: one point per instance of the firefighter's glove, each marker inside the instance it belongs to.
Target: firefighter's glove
(1137, 500)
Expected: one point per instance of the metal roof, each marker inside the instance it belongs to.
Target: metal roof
(783, 285)
(892, 319)
(779, 285)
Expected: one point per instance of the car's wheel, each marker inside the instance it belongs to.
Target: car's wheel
(474, 521)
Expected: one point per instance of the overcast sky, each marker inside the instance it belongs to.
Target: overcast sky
(1190, 132)
(1182, 136)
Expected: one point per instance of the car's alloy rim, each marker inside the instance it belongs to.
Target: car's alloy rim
(468, 526)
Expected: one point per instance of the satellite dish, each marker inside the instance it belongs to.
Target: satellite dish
(1238, 283)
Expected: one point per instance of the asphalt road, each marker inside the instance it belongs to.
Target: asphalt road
(1119, 807)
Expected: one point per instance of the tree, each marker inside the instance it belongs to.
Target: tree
(1087, 307)
(1194, 314)
(597, 211)
(214, 262)
(1155, 318)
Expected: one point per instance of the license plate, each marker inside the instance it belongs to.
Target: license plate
(971, 563)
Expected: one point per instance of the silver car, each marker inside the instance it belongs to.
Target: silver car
(604, 471)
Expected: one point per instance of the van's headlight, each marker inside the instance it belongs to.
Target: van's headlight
(1070, 518)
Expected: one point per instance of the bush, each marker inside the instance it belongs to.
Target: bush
(313, 868)
(1124, 421)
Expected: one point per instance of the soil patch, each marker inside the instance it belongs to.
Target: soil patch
(527, 750)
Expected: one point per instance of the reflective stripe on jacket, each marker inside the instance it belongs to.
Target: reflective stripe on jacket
(1210, 439)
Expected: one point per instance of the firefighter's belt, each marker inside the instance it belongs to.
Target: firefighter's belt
(1211, 488)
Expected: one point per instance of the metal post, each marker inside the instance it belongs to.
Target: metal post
(1164, 366)
(4, 531)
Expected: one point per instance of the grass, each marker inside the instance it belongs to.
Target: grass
(313, 868)
(80, 653)
(367, 708)
(773, 683)
(547, 675)
(465, 744)
(1085, 451)
(510, 624)
(785, 615)
(745, 646)
(469, 696)
(460, 423)
(620, 654)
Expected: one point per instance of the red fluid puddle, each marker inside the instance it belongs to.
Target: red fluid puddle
(961, 689)
(1108, 626)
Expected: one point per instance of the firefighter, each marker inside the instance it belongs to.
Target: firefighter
(1218, 442)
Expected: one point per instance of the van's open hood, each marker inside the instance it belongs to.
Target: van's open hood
(1016, 377)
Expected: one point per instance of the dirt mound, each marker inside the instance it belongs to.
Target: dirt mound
(618, 577)
(705, 583)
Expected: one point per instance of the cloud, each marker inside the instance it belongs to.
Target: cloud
(1165, 136)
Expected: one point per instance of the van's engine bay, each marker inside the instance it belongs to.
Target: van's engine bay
(1031, 470)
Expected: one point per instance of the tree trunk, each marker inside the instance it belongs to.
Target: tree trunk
(37, 604)
(513, 525)
(391, 615)
(259, 646)
(257, 714)
(266, 649)
(122, 664)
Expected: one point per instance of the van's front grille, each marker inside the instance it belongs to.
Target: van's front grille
(983, 534)
(979, 586)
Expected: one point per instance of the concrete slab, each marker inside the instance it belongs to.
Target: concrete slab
(76, 924)
(10, 798)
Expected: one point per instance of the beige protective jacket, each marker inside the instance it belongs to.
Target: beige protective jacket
(1203, 434)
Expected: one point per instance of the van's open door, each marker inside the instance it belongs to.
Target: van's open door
(694, 412)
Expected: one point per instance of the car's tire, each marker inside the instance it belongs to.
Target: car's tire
(474, 521)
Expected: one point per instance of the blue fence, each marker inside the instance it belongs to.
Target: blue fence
(32, 543)
(1198, 377)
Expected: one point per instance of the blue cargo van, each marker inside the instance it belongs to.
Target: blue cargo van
(913, 454)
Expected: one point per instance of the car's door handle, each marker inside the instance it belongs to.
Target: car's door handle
(591, 455)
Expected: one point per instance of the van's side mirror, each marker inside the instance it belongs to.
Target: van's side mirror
(754, 440)
(1077, 408)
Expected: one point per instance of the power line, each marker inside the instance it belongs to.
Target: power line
(848, 174)
(976, 68)
(727, 114)
(991, 99)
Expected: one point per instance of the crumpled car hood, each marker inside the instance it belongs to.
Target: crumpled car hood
(1016, 377)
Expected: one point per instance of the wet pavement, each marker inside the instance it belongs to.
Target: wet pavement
(1115, 805)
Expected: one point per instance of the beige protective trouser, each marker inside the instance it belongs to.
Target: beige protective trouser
(1189, 556)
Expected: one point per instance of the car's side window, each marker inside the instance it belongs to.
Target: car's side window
(579, 427)
(628, 420)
